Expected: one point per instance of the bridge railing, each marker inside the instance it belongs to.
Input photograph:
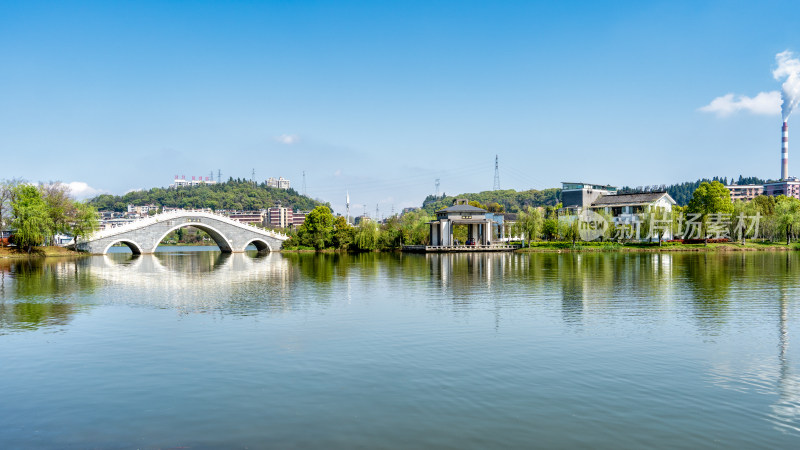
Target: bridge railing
(152, 220)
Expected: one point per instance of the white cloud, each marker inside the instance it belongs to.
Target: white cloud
(288, 139)
(81, 190)
(765, 103)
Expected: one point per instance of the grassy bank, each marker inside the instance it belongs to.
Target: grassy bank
(654, 247)
(38, 252)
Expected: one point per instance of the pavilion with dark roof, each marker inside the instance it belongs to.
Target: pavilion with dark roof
(480, 224)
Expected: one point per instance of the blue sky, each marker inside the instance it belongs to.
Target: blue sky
(382, 98)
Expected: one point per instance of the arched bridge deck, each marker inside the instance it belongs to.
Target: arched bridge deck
(144, 235)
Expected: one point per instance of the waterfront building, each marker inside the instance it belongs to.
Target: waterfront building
(578, 196)
(251, 217)
(482, 226)
(627, 209)
(789, 187)
(280, 217)
(142, 210)
(298, 217)
(745, 191)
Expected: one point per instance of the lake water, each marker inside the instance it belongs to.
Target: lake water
(196, 349)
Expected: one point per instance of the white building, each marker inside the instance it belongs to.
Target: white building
(280, 183)
(142, 210)
(195, 181)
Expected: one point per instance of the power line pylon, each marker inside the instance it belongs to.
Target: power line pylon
(496, 174)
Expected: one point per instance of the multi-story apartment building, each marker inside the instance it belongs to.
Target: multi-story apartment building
(745, 191)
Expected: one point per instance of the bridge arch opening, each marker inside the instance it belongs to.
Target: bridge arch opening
(222, 242)
(135, 248)
(261, 245)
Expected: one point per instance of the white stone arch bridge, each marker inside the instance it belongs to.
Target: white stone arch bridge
(144, 235)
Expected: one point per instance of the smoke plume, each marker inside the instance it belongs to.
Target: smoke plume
(788, 68)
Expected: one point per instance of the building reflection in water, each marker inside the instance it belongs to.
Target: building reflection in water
(470, 278)
(786, 411)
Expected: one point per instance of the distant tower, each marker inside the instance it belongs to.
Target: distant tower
(348, 207)
(365, 210)
(437, 187)
(785, 152)
(253, 176)
(304, 185)
(219, 176)
(212, 176)
(496, 174)
(377, 213)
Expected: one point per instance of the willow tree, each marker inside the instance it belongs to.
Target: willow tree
(530, 223)
(32, 223)
(787, 214)
(83, 221)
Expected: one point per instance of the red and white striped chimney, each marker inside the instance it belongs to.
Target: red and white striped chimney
(785, 152)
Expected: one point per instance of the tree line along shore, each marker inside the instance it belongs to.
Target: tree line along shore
(37, 213)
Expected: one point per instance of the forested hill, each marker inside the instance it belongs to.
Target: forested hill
(232, 194)
(682, 192)
(511, 200)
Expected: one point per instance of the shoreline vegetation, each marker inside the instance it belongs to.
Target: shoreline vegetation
(536, 247)
(39, 252)
(613, 247)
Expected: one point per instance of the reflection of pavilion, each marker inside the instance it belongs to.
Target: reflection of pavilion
(482, 228)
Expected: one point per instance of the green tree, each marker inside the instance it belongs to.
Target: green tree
(60, 207)
(787, 215)
(710, 198)
(530, 223)
(84, 221)
(550, 228)
(6, 197)
(414, 227)
(342, 234)
(317, 229)
(31, 222)
(367, 235)
(568, 229)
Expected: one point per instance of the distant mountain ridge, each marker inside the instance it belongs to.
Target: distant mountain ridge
(511, 200)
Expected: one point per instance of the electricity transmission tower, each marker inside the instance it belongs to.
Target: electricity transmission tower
(253, 176)
(496, 174)
(219, 176)
(304, 183)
